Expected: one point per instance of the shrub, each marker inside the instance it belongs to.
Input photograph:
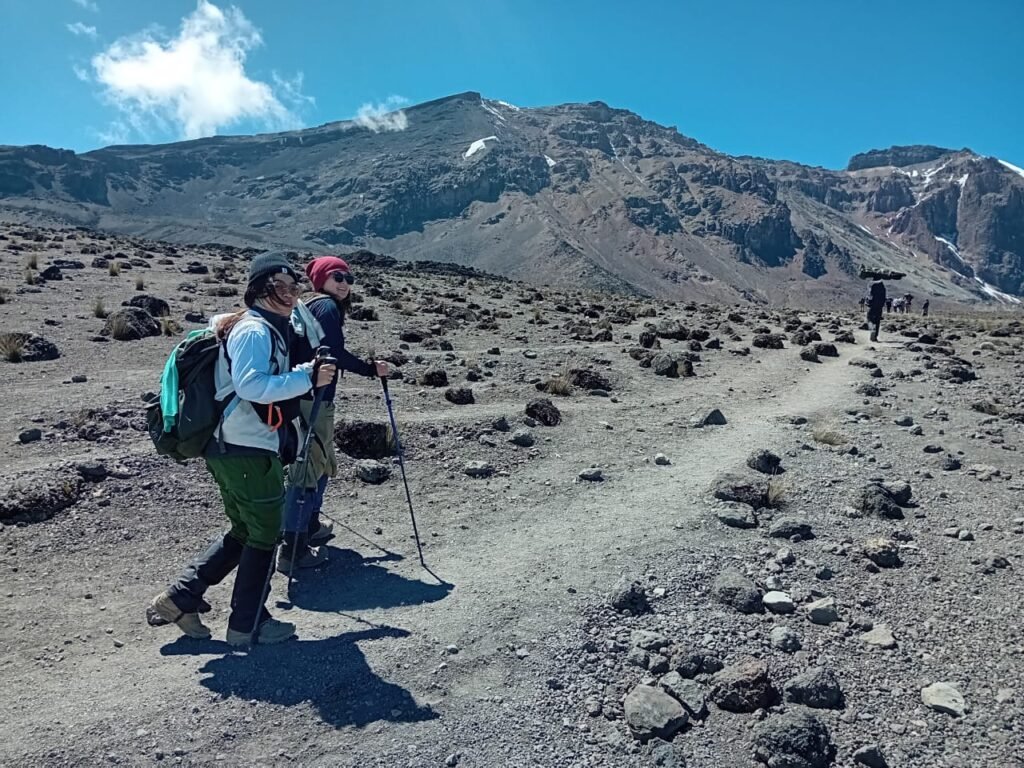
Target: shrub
(30, 277)
(169, 327)
(828, 436)
(4, 295)
(113, 269)
(140, 283)
(32, 262)
(99, 310)
(12, 347)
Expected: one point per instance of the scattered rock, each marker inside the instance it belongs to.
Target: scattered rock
(151, 304)
(871, 756)
(33, 348)
(765, 462)
(30, 435)
(629, 596)
(592, 474)
(823, 611)
(661, 460)
(363, 439)
(778, 602)
(129, 324)
(747, 490)
(882, 552)
(794, 740)
(544, 411)
(943, 697)
(785, 639)
(478, 469)
(736, 514)
(665, 364)
(743, 687)
(713, 418)
(734, 589)
(459, 395)
(689, 693)
(877, 501)
(650, 712)
(788, 526)
(880, 637)
(523, 438)
(434, 376)
(373, 472)
(816, 688)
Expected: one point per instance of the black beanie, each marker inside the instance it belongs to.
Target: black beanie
(270, 263)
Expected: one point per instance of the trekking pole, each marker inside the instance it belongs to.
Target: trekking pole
(323, 356)
(401, 465)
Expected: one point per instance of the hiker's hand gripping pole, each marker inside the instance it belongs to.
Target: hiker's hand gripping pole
(401, 466)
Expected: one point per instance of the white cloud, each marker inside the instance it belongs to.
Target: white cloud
(194, 83)
(78, 28)
(89, 5)
(81, 73)
(384, 116)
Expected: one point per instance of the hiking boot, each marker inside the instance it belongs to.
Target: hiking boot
(154, 619)
(322, 533)
(189, 623)
(270, 632)
(309, 557)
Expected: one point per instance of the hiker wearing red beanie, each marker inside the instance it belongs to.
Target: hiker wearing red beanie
(319, 320)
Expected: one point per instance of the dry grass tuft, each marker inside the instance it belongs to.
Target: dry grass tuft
(140, 283)
(113, 269)
(99, 309)
(828, 436)
(169, 327)
(12, 347)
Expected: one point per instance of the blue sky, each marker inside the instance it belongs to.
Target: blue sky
(811, 81)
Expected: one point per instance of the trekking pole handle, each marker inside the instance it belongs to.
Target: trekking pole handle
(322, 357)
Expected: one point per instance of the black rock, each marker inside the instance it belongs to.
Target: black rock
(630, 597)
(734, 589)
(459, 395)
(434, 376)
(156, 307)
(816, 688)
(544, 411)
(30, 436)
(129, 324)
(794, 740)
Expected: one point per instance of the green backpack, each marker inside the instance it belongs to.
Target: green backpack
(182, 419)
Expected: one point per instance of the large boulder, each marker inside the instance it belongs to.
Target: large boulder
(129, 324)
(156, 307)
(748, 490)
(26, 348)
(817, 688)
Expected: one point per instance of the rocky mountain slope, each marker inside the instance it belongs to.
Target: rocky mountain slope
(569, 195)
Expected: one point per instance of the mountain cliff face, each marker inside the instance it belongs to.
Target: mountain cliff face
(577, 194)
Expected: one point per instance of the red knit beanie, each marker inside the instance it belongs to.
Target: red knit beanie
(320, 268)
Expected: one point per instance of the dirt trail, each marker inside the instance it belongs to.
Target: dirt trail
(520, 555)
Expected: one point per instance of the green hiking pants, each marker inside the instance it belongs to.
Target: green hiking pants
(252, 488)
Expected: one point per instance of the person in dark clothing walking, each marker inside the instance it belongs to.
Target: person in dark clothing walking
(244, 457)
(924, 308)
(319, 320)
(876, 302)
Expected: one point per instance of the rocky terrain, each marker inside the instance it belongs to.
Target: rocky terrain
(576, 194)
(659, 533)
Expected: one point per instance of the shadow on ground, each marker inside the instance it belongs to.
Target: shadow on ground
(330, 674)
(351, 582)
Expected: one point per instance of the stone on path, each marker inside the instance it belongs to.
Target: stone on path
(823, 611)
(817, 688)
(650, 712)
(943, 697)
(785, 639)
(880, 637)
(778, 602)
(736, 514)
(478, 469)
(734, 589)
(743, 687)
(794, 740)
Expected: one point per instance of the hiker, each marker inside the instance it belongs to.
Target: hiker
(245, 457)
(924, 308)
(888, 306)
(876, 301)
(319, 320)
(907, 301)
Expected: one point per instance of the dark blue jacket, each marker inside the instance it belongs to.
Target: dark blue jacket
(328, 314)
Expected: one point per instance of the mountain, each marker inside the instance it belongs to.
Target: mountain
(576, 194)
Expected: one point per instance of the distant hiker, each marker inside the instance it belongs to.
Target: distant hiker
(907, 301)
(245, 457)
(876, 301)
(888, 305)
(319, 320)
(862, 302)
(924, 308)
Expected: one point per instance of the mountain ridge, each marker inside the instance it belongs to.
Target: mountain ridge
(573, 194)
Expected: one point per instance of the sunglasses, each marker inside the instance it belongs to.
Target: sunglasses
(293, 288)
(344, 277)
